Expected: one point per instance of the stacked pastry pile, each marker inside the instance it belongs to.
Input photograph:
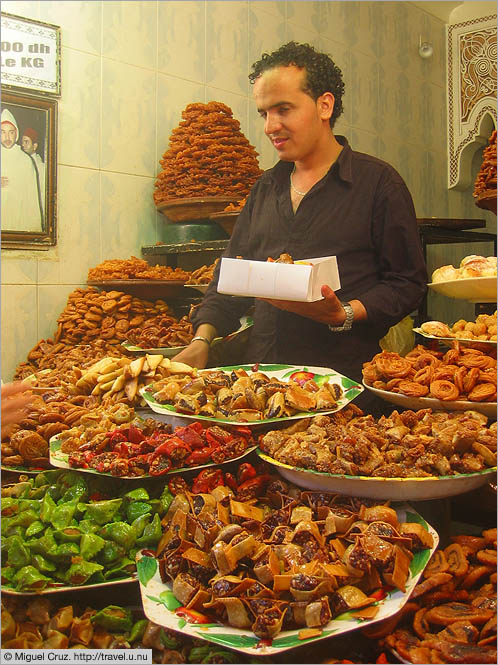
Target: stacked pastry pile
(470, 266)
(91, 314)
(460, 373)
(134, 268)
(485, 184)
(207, 156)
(162, 332)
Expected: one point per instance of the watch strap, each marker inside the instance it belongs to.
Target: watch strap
(348, 322)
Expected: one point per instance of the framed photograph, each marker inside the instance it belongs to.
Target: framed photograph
(31, 55)
(28, 171)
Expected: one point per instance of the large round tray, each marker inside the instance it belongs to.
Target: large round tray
(371, 487)
(475, 289)
(415, 403)
(185, 210)
(480, 345)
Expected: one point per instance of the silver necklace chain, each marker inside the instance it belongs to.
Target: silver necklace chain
(292, 184)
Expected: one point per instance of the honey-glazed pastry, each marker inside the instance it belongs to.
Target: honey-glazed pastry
(445, 274)
(459, 325)
(483, 392)
(436, 328)
(412, 389)
(444, 390)
(392, 365)
(29, 444)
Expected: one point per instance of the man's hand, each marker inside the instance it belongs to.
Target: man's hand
(15, 402)
(329, 310)
(195, 354)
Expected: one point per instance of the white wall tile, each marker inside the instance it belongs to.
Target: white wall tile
(128, 215)
(129, 32)
(226, 45)
(306, 15)
(80, 22)
(79, 223)
(19, 325)
(18, 270)
(364, 96)
(21, 8)
(128, 118)
(182, 39)
(276, 8)
(49, 270)
(80, 109)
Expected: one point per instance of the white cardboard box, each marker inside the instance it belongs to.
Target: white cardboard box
(283, 281)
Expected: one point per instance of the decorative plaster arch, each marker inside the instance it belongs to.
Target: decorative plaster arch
(471, 73)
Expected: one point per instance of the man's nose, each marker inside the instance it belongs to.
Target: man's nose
(272, 123)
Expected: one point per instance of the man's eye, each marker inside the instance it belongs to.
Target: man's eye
(262, 114)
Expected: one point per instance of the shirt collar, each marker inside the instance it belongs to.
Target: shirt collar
(343, 165)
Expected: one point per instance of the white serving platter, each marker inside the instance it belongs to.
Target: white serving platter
(161, 606)
(372, 487)
(415, 403)
(479, 344)
(474, 289)
(351, 389)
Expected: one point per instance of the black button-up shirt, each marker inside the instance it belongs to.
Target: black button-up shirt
(361, 212)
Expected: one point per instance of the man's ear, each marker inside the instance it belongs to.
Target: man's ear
(325, 105)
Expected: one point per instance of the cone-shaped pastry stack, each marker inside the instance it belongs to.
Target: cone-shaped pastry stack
(207, 156)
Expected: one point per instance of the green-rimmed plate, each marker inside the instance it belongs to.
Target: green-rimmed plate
(161, 606)
(375, 487)
(350, 388)
(171, 351)
(60, 460)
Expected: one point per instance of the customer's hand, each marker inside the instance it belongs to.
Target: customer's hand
(15, 401)
(329, 310)
(195, 354)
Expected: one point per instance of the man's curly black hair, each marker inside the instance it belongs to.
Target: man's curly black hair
(322, 74)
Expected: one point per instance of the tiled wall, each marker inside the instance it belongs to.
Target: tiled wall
(128, 70)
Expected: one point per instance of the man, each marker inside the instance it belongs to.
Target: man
(320, 199)
(29, 144)
(21, 206)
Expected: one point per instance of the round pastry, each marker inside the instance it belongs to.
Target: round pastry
(436, 328)
(445, 274)
(483, 392)
(444, 390)
(412, 389)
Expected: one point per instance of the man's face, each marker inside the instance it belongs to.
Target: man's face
(28, 145)
(9, 135)
(293, 121)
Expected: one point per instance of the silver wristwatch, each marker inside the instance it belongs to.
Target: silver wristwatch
(348, 323)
